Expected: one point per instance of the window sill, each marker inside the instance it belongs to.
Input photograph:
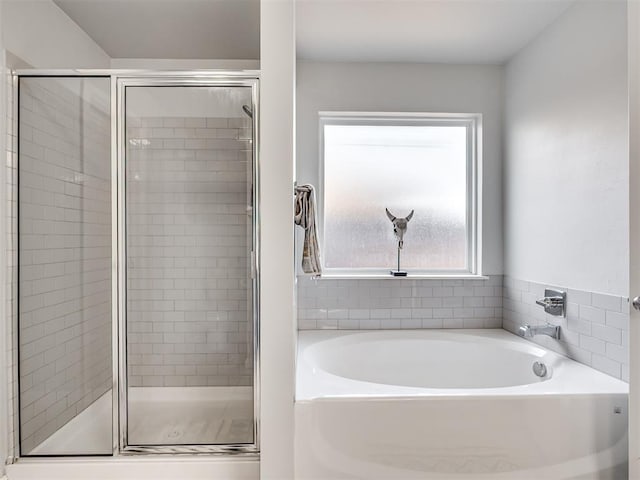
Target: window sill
(417, 276)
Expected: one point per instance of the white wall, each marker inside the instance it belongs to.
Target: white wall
(566, 157)
(203, 102)
(42, 35)
(277, 300)
(634, 228)
(397, 87)
(183, 64)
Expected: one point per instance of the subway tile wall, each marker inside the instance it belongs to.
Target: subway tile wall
(399, 303)
(65, 251)
(188, 227)
(595, 331)
(11, 271)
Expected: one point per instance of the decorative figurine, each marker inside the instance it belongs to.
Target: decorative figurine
(399, 229)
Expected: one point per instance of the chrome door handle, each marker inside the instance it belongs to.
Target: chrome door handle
(636, 303)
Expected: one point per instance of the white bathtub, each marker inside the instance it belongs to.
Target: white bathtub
(452, 404)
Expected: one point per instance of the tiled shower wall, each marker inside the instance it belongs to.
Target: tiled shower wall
(11, 255)
(595, 331)
(65, 259)
(399, 303)
(189, 294)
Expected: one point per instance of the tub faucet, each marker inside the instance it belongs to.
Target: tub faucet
(528, 331)
(554, 302)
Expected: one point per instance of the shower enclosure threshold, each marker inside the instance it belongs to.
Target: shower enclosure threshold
(161, 416)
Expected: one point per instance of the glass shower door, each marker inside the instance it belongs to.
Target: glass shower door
(189, 187)
(64, 266)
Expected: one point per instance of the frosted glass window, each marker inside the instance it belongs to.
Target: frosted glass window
(425, 166)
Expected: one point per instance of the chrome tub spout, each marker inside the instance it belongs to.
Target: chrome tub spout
(529, 331)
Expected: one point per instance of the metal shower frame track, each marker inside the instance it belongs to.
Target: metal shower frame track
(120, 80)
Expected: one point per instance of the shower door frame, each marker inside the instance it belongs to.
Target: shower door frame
(120, 80)
(169, 81)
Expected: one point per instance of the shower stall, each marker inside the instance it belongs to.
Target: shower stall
(136, 284)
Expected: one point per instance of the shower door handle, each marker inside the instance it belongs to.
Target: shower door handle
(254, 266)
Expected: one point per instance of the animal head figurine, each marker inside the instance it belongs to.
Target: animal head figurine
(399, 226)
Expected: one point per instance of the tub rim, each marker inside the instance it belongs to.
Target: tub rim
(569, 377)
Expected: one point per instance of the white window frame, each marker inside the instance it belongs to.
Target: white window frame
(473, 123)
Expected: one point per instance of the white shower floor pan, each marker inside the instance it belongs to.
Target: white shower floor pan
(159, 416)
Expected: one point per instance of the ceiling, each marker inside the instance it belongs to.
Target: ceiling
(174, 29)
(442, 31)
(437, 31)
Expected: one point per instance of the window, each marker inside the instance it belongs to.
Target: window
(422, 162)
